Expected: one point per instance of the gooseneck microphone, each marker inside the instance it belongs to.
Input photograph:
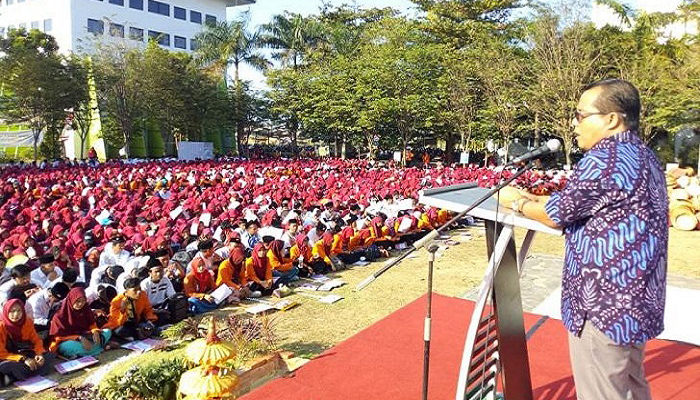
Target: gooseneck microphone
(552, 146)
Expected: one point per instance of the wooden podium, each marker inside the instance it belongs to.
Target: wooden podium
(495, 345)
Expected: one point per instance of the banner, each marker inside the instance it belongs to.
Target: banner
(18, 139)
(192, 150)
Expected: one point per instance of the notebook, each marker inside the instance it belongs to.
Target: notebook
(75, 365)
(36, 384)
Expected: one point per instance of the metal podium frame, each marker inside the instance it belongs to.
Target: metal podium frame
(495, 343)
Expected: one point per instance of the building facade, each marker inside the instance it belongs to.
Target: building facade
(78, 24)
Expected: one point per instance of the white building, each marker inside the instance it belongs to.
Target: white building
(76, 24)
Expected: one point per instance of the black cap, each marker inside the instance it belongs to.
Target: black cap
(268, 239)
(59, 290)
(205, 245)
(118, 239)
(46, 258)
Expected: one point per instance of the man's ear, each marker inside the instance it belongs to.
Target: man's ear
(615, 121)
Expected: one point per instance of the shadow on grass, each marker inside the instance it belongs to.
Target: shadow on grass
(305, 349)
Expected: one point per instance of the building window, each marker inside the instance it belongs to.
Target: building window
(48, 25)
(117, 2)
(95, 26)
(116, 30)
(180, 13)
(195, 17)
(136, 4)
(210, 20)
(163, 39)
(136, 34)
(158, 8)
(180, 42)
(35, 25)
(194, 44)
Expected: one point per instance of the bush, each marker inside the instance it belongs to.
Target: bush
(156, 381)
(251, 336)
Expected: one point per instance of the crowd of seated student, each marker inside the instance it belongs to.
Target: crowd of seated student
(113, 295)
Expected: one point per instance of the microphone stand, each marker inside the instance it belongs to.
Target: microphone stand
(432, 248)
(436, 232)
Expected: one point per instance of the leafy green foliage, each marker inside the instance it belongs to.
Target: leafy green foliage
(156, 381)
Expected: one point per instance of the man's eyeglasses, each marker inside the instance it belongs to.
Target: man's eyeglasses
(579, 116)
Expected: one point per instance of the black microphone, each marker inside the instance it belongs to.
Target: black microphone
(552, 146)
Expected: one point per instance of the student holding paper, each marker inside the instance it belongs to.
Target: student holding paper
(159, 290)
(22, 353)
(130, 313)
(282, 267)
(73, 329)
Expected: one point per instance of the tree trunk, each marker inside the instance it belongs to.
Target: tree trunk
(449, 148)
(537, 130)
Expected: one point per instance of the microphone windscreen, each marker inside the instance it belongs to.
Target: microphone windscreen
(553, 145)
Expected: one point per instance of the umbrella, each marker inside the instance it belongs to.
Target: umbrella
(206, 383)
(210, 351)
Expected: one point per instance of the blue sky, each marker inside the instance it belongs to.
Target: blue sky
(263, 10)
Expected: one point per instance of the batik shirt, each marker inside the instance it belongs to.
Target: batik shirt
(614, 211)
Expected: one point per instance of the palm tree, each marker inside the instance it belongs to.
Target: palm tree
(292, 35)
(227, 44)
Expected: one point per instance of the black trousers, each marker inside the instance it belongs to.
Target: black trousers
(19, 371)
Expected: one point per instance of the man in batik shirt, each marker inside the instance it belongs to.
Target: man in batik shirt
(614, 212)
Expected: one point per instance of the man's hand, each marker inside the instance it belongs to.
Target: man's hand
(31, 363)
(508, 195)
(208, 298)
(96, 337)
(87, 345)
(39, 360)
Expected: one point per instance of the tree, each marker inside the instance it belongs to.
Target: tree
(83, 109)
(563, 60)
(292, 36)
(226, 44)
(38, 82)
(120, 91)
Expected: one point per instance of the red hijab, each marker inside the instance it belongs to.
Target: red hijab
(14, 329)
(327, 241)
(301, 243)
(277, 248)
(259, 263)
(68, 321)
(202, 278)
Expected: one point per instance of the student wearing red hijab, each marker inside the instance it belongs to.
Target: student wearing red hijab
(22, 353)
(321, 252)
(282, 266)
(259, 271)
(301, 252)
(199, 284)
(73, 329)
(232, 271)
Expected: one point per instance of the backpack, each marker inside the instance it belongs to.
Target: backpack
(178, 308)
(372, 253)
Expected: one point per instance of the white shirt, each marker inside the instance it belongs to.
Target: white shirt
(108, 257)
(39, 302)
(288, 239)
(42, 280)
(159, 292)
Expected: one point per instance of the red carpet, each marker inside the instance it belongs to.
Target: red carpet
(385, 361)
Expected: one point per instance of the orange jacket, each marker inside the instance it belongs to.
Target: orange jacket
(443, 216)
(225, 275)
(118, 318)
(190, 286)
(319, 251)
(295, 253)
(337, 246)
(250, 271)
(28, 335)
(283, 265)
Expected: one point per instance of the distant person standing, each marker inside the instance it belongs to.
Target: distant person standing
(614, 212)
